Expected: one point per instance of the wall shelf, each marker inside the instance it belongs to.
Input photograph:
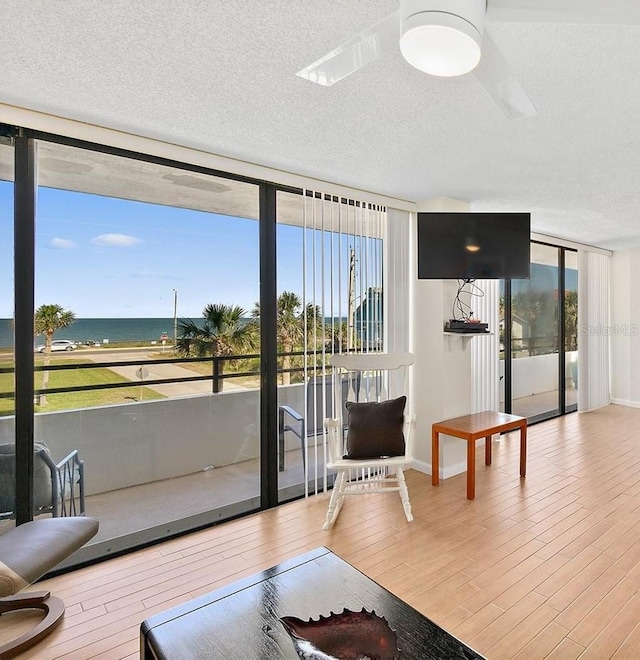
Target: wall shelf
(468, 334)
(464, 336)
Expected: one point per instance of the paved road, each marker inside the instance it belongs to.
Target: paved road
(155, 371)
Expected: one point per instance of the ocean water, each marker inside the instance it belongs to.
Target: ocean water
(113, 330)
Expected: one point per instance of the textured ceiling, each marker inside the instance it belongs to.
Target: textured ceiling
(219, 75)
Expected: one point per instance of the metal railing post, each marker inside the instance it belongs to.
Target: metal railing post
(217, 372)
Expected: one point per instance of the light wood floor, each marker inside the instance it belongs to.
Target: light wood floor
(545, 567)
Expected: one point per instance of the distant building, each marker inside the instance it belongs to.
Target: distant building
(367, 319)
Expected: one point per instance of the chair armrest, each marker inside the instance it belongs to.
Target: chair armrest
(67, 458)
(297, 418)
(293, 413)
(69, 498)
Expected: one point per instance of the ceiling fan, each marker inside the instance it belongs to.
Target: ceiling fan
(447, 38)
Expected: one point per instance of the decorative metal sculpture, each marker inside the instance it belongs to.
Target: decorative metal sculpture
(347, 636)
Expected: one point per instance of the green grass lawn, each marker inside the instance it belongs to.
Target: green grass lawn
(206, 368)
(76, 378)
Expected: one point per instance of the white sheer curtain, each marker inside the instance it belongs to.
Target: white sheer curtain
(593, 330)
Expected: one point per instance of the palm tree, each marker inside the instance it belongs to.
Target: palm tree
(48, 319)
(222, 333)
(294, 323)
(571, 320)
(337, 340)
(536, 308)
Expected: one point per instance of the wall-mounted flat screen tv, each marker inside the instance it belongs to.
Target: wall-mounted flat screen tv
(473, 245)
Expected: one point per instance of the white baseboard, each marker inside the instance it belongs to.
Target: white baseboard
(625, 402)
(445, 473)
(452, 470)
(421, 466)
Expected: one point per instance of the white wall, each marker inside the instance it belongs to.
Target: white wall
(536, 374)
(442, 371)
(137, 443)
(532, 375)
(442, 376)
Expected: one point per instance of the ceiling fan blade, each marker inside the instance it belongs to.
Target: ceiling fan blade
(593, 12)
(355, 53)
(503, 87)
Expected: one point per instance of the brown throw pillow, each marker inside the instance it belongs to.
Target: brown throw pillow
(375, 429)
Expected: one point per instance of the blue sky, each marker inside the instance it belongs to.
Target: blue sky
(545, 278)
(106, 257)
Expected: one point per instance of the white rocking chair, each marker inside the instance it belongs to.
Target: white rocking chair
(377, 447)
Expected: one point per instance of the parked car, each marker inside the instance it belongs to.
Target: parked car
(58, 345)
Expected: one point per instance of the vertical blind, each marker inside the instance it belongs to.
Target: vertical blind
(343, 285)
(485, 350)
(400, 274)
(355, 276)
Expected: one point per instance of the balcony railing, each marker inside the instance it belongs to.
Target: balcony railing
(217, 377)
(536, 345)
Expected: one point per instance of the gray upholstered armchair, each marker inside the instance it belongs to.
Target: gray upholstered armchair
(58, 487)
(26, 553)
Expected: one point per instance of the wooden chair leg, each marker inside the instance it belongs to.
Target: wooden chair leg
(39, 600)
(335, 503)
(404, 494)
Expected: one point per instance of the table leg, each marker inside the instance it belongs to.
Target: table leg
(487, 450)
(471, 469)
(435, 457)
(523, 450)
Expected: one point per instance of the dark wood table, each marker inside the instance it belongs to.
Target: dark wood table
(241, 621)
(471, 428)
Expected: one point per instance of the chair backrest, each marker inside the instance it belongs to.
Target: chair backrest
(320, 402)
(42, 474)
(374, 377)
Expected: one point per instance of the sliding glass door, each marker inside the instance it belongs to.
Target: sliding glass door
(570, 330)
(539, 336)
(147, 345)
(535, 336)
(177, 310)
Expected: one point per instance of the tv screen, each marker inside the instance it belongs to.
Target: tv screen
(473, 245)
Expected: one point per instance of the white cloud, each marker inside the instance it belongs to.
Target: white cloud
(116, 240)
(62, 243)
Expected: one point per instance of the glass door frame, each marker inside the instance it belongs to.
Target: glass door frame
(25, 195)
(563, 408)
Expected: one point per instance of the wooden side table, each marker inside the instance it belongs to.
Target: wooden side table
(470, 428)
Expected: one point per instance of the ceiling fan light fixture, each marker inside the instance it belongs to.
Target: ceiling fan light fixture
(440, 44)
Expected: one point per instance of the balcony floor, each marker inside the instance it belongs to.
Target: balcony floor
(128, 510)
(542, 402)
